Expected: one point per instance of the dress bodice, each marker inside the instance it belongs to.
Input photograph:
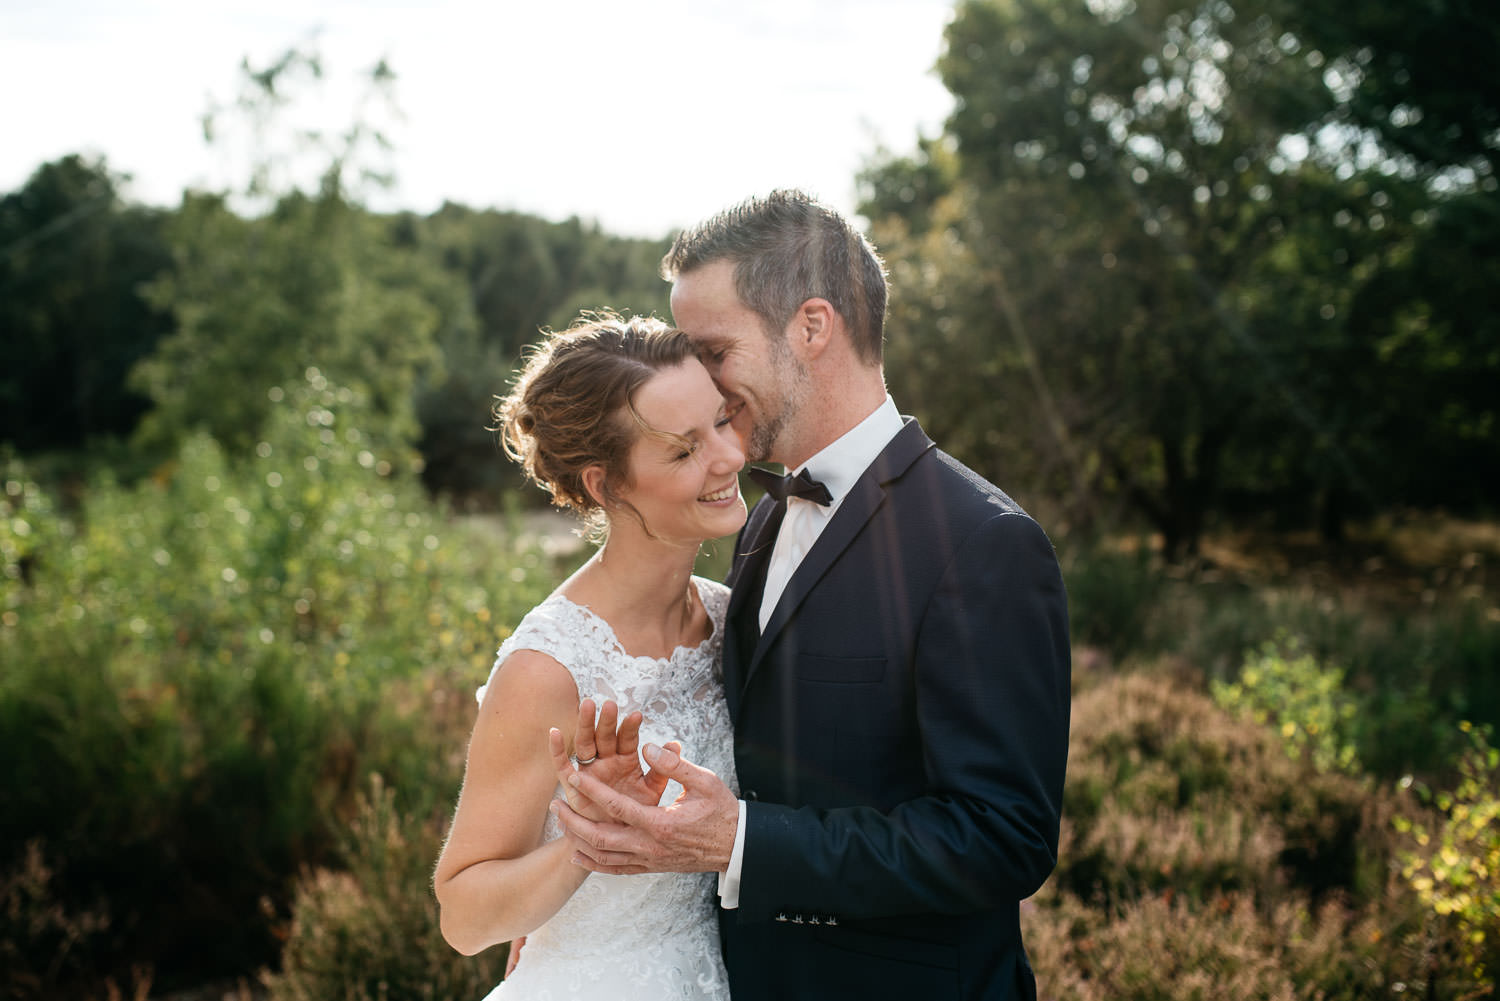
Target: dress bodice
(642, 937)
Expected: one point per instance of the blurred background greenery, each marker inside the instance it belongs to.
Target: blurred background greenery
(1212, 288)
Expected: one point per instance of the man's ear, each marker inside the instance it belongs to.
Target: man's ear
(812, 328)
(593, 482)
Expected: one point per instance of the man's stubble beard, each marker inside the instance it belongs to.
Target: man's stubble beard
(794, 383)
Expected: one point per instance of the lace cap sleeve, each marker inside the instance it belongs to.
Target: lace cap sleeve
(541, 630)
(715, 599)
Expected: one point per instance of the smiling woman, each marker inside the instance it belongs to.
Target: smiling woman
(683, 478)
(610, 401)
(619, 421)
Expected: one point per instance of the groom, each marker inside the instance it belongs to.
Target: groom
(896, 656)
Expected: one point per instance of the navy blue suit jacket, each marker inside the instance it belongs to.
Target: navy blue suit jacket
(901, 733)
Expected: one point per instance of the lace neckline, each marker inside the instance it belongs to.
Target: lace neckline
(609, 630)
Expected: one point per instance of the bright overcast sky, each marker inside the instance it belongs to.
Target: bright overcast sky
(644, 116)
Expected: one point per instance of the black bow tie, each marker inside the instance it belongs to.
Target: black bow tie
(781, 487)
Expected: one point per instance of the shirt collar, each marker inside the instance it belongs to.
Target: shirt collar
(842, 463)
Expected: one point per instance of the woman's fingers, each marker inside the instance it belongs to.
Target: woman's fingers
(629, 739)
(605, 739)
(584, 746)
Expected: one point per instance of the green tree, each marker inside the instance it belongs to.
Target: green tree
(73, 257)
(1159, 256)
(1417, 80)
(316, 281)
(522, 273)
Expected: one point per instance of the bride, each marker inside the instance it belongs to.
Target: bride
(618, 420)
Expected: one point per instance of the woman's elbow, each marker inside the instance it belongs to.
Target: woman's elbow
(459, 934)
(456, 930)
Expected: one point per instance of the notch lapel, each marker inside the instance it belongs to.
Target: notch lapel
(746, 580)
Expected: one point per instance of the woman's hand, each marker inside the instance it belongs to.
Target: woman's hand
(608, 751)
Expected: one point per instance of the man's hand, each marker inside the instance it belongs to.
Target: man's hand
(694, 834)
(609, 754)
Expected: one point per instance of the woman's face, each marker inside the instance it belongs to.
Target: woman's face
(685, 483)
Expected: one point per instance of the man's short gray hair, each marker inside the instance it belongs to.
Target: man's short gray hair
(787, 248)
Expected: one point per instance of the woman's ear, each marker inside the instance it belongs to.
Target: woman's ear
(593, 482)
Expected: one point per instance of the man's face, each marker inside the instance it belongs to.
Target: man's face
(763, 384)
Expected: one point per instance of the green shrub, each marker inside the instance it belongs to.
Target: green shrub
(1110, 595)
(1304, 702)
(1455, 869)
(201, 668)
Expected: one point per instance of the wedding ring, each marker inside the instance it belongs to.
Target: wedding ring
(588, 761)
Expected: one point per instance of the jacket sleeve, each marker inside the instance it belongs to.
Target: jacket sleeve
(992, 666)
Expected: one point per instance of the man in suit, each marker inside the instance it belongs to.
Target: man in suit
(896, 655)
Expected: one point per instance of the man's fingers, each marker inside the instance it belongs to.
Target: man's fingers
(668, 762)
(617, 807)
(575, 823)
(610, 844)
(594, 865)
(604, 733)
(584, 748)
(656, 780)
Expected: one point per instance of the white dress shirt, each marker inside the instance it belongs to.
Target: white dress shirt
(839, 467)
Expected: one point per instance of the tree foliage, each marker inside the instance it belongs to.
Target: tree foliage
(1157, 233)
(315, 283)
(201, 314)
(73, 255)
(521, 273)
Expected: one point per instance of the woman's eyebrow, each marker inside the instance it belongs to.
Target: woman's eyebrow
(696, 431)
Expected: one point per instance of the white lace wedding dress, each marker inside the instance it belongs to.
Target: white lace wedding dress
(632, 938)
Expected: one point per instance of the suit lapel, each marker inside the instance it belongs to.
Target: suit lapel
(746, 581)
(855, 511)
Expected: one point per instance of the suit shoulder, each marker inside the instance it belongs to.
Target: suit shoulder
(962, 486)
(940, 505)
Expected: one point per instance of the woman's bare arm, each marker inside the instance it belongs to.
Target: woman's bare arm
(496, 880)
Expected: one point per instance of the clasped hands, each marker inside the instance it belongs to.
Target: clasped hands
(612, 813)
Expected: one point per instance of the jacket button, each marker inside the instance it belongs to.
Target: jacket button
(751, 795)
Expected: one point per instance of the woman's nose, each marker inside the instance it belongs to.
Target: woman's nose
(730, 454)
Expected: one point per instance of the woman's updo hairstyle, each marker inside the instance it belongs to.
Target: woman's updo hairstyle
(572, 406)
